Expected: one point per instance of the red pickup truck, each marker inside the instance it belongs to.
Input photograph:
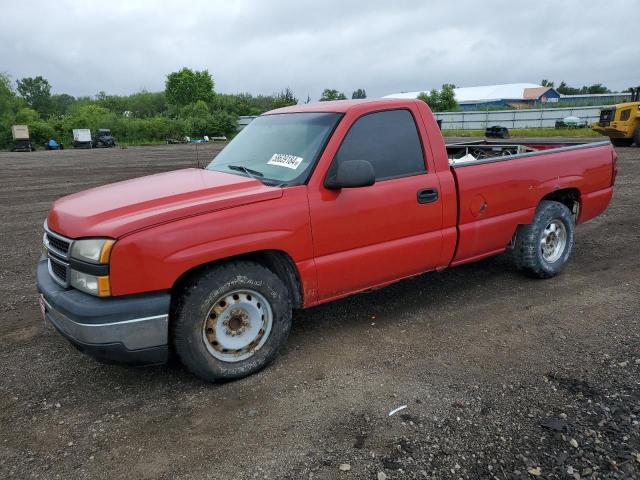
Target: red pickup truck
(307, 204)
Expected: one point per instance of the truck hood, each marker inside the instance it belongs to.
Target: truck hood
(120, 208)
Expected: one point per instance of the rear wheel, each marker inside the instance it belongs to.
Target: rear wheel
(231, 321)
(636, 136)
(543, 248)
(622, 142)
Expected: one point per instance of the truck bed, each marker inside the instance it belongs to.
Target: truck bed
(483, 151)
(501, 187)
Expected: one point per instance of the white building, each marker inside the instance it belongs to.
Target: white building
(513, 94)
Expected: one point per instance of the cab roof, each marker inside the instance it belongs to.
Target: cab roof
(627, 104)
(339, 106)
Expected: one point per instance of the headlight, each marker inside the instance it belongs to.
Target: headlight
(95, 251)
(92, 250)
(91, 284)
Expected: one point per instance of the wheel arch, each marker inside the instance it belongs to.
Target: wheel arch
(278, 261)
(570, 197)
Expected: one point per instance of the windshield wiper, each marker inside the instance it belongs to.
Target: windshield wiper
(250, 172)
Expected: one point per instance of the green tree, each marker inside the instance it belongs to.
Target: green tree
(188, 86)
(91, 116)
(223, 123)
(39, 130)
(201, 121)
(285, 98)
(61, 103)
(546, 83)
(239, 104)
(146, 104)
(565, 89)
(9, 102)
(113, 103)
(26, 116)
(329, 94)
(443, 100)
(595, 88)
(359, 93)
(36, 91)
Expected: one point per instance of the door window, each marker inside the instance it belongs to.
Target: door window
(388, 140)
(625, 114)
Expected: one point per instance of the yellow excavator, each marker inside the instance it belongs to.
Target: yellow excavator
(621, 122)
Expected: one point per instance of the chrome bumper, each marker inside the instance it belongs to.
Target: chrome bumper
(133, 334)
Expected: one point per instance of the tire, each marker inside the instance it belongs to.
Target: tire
(622, 142)
(636, 136)
(207, 330)
(553, 224)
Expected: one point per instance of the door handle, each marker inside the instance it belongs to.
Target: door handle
(427, 195)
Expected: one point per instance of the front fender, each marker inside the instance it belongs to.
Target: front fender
(153, 259)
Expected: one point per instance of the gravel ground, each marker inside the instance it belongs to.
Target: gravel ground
(502, 376)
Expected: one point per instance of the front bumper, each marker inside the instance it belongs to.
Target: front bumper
(131, 330)
(612, 132)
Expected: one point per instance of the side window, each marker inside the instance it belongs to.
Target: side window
(625, 114)
(388, 140)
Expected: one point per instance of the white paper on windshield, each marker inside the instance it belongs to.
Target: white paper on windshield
(285, 160)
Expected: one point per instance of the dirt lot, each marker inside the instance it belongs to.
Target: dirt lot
(503, 376)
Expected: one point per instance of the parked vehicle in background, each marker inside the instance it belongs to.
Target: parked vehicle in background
(204, 139)
(21, 141)
(307, 204)
(82, 138)
(104, 139)
(571, 122)
(53, 145)
(496, 131)
(621, 123)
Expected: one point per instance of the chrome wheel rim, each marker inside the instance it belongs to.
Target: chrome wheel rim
(553, 241)
(237, 326)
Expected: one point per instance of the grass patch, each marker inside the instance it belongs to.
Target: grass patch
(528, 132)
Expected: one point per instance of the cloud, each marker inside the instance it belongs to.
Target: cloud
(261, 47)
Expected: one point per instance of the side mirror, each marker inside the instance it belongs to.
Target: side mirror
(351, 174)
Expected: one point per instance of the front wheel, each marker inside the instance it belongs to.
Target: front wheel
(231, 321)
(543, 247)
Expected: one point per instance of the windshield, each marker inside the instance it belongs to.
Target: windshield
(277, 149)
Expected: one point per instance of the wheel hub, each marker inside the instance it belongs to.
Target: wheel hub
(237, 325)
(553, 241)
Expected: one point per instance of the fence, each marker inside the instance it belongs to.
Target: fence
(535, 118)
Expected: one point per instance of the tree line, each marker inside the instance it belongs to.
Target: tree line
(188, 106)
(565, 89)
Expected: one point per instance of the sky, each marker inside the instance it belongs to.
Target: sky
(261, 47)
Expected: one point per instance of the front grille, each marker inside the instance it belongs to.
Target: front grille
(58, 251)
(58, 244)
(606, 116)
(58, 271)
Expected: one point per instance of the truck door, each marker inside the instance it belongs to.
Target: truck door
(369, 236)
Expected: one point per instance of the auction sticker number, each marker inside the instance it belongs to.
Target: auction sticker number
(285, 160)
